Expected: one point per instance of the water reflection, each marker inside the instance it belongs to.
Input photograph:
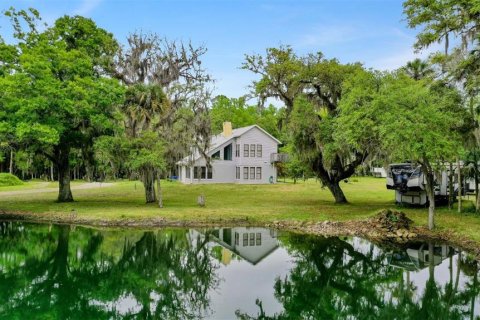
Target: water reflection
(245, 273)
(250, 244)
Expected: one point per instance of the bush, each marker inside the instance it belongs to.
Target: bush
(7, 179)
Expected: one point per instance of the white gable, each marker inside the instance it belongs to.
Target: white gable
(254, 133)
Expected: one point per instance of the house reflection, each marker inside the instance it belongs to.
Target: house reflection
(249, 243)
(416, 256)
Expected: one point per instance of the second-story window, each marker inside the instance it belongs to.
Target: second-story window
(245, 150)
(252, 150)
(259, 150)
(237, 151)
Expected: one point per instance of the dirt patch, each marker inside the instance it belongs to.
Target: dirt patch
(386, 228)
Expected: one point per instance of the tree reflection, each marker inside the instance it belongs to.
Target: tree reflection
(333, 279)
(55, 273)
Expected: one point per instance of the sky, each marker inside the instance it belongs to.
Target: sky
(373, 32)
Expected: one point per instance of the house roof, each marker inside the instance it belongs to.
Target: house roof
(219, 140)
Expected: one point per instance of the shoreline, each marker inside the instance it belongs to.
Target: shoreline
(366, 228)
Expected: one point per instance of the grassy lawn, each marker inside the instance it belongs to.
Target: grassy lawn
(304, 201)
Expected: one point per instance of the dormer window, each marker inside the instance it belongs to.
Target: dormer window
(216, 155)
(227, 152)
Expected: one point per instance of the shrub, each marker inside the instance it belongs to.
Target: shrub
(7, 179)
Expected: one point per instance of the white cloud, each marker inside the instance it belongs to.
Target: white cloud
(400, 57)
(87, 6)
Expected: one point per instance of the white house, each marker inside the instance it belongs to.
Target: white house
(244, 155)
(251, 243)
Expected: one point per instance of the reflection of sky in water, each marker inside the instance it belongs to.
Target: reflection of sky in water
(442, 273)
(442, 278)
(246, 269)
(242, 283)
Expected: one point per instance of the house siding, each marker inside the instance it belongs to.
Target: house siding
(224, 171)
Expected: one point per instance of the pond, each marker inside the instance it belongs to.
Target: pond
(65, 272)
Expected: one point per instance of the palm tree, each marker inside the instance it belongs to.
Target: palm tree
(418, 69)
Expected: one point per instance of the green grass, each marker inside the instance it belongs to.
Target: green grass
(304, 201)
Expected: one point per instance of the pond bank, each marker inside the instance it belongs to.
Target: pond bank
(369, 229)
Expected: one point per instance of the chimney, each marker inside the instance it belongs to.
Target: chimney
(227, 129)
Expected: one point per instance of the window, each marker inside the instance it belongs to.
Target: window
(237, 173)
(227, 152)
(252, 150)
(237, 151)
(245, 239)
(237, 239)
(259, 173)
(245, 173)
(259, 150)
(245, 150)
(195, 172)
(259, 239)
(187, 172)
(216, 155)
(252, 173)
(201, 172)
(210, 173)
(252, 239)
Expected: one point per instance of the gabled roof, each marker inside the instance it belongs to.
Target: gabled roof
(219, 140)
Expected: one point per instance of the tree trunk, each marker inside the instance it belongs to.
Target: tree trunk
(89, 172)
(431, 212)
(10, 170)
(475, 168)
(59, 272)
(148, 180)
(451, 191)
(429, 188)
(159, 192)
(337, 192)
(459, 186)
(51, 172)
(114, 171)
(431, 262)
(63, 168)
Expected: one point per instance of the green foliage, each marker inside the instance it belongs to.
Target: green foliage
(279, 70)
(418, 69)
(422, 121)
(241, 115)
(7, 179)
(146, 151)
(311, 88)
(55, 93)
(402, 118)
(295, 168)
